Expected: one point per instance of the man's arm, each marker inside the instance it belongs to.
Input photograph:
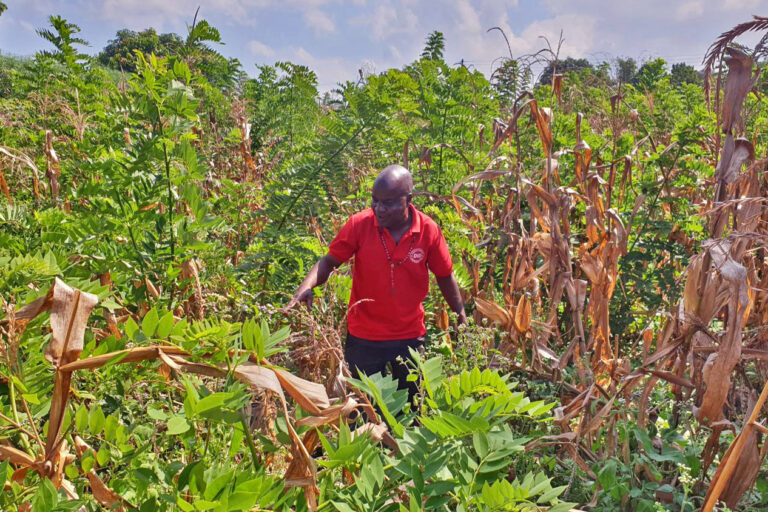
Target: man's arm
(450, 290)
(316, 276)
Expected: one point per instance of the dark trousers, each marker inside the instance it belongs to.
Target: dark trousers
(369, 357)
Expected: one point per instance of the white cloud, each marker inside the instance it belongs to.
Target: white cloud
(319, 21)
(259, 48)
(330, 70)
(689, 10)
(173, 13)
(389, 20)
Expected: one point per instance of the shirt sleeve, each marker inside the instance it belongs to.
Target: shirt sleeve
(439, 259)
(345, 245)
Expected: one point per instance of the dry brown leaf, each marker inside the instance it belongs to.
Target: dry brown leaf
(522, 318)
(4, 185)
(130, 355)
(481, 176)
(309, 395)
(746, 471)
(53, 172)
(493, 312)
(16, 456)
(557, 85)
(70, 309)
(739, 82)
(735, 153)
(18, 156)
(330, 415)
(733, 458)
(717, 372)
(442, 320)
(194, 306)
(542, 117)
(103, 494)
(259, 377)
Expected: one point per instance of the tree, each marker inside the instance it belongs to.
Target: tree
(119, 52)
(625, 70)
(650, 74)
(683, 73)
(509, 80)
(63, 38)
(3, 8)
(569, 65)
(435, 46)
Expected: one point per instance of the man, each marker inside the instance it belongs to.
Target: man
(394, 245)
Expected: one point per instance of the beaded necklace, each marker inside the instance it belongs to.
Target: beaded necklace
(389, 259)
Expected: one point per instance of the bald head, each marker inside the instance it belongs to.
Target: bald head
(395, 178)
(391, 197)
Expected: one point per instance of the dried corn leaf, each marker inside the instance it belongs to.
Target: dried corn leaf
(733, 458)
(542, 117)
(481, 176)
(735, 153)
(493, 312)
(522, 318)
(717, 371)
(16, 456)
(103, 494)
(70, 309)
(131, 355)
(309, 395)
(259, 377)
(557, 86)
(53, 173)
(739, 82)
(746, 471)
(330, 415)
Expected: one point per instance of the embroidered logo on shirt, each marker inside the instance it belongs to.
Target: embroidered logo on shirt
(417, 255)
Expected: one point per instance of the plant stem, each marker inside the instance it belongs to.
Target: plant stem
(12, 392)
(249, 442)
(169, 200)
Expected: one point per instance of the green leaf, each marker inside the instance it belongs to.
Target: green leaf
(46, 498)
(480, 442)
(110, 428)
(165, 326)
(212, 401)
(102, 456)
(177, 425)
(81, 418)
(96, 420)
(156, 413)
(87, 461)
(130, 327)
(149, 323)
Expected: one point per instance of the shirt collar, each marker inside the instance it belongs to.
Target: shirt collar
(415, 220)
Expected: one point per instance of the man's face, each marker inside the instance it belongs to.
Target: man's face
(390, 205)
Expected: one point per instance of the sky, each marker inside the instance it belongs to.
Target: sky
(336, 38)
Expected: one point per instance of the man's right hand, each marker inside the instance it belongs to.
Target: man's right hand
(304, 296)
(317, 275)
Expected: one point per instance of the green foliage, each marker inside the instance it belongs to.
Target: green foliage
(682, 73)
(63, 38)
(567, 65)
(155, 175)
(434, 46)
(626, 70)
(456, 447)
(650, 74)
(119, 53)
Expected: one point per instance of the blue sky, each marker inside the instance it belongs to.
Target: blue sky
(338, 37)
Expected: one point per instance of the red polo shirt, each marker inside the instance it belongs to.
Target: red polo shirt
(377, 310)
